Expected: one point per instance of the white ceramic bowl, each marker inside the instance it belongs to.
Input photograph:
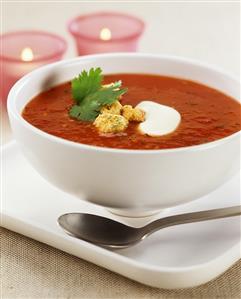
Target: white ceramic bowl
(133, 181)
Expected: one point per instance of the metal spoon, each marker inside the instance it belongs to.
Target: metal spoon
(110, 233)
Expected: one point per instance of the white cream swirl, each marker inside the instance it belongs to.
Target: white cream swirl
(159, 119)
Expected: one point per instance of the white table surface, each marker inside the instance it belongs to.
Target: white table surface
(207, 31)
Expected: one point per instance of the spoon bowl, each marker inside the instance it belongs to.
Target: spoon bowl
(99, 230)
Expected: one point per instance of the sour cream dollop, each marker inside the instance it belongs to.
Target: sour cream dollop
(159, 119)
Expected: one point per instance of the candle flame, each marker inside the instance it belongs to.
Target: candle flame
(27, 54)
(105, 34)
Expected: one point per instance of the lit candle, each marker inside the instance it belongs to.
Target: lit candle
(24, 51)
(27, 54)
(106, 32)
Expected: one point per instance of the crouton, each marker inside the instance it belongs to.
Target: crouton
(114, 108)
(133, 114)
(110, 123)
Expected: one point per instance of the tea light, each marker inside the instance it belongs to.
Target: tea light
(106, 32)
(23, 51)
(27, 54)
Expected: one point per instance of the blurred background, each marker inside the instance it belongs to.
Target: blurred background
(208, 31)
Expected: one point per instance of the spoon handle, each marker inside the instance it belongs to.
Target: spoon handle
(192, 217)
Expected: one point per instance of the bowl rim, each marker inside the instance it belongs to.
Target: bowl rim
(12, 96)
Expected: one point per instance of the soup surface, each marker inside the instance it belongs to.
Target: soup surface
(206, 113)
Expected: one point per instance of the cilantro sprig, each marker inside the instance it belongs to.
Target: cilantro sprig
(90, 96)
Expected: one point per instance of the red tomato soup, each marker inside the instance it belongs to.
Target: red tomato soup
(206, 114)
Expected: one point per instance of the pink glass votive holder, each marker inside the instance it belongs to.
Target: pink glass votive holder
(23, 51)
(106, 32)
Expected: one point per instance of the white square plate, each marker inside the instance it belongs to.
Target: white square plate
(176, 257)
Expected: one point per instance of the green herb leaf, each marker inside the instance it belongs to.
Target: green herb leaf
(90, 96)
(86, 83)
(82, 113)
(90, 106)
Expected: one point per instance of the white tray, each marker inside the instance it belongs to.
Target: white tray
(176, 257)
